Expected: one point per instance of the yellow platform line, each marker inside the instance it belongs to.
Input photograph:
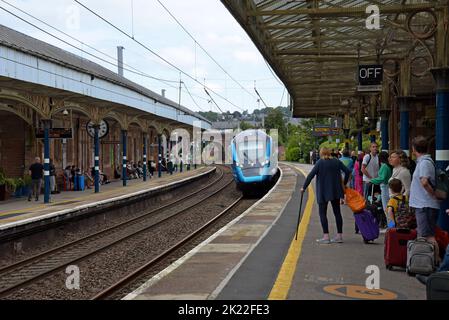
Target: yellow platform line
(285, 277)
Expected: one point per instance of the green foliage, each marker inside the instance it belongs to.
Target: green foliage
(275, 120)
(210, 115)
(27, 180)
(8, 182)
(352, 146)
(332, 145)
(245, 126)
(293, 154)
(18, 183)
(300, 136)
(11, 184)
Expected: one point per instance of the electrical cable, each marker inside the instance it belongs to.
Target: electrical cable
(202, 48)
(152, 51)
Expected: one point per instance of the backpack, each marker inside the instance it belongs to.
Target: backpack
(369, 160)
(404, 216)
(441, 187)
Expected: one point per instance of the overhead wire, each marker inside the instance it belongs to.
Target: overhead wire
(202, 48)
(81, 42)
(188, 91)
(257, 92)
(153, 52)
(212, 99)
(129, 69)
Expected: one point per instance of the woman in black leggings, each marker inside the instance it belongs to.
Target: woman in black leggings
(329, 188)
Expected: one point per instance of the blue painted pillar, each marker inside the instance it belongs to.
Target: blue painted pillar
(180, 155)
(145, 139)
(47, 124)
(405, 124)
(384, 128)
(97, 159)
(170, 152)
(159, 155)
(441, 76)
(124, 143)
(195, 145)
(360, 141)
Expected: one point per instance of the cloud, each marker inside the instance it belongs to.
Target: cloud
(208, 21)
(248, 56)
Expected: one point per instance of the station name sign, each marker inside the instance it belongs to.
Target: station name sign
(370, 77)
(55, 133)
(325, 131)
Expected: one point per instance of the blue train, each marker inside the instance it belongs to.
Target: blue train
(254, 160)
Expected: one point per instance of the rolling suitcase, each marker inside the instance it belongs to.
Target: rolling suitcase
(375, 206)
(438, 286)
(367, 225)
(395, 249)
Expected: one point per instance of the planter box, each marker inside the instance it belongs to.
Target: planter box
(18, 193)
(25, 191)
(4, 194)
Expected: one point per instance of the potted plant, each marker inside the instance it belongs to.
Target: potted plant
(26, 185)
(6, 186)
(19, 184)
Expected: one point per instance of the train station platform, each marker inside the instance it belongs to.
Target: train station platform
(256, 257)
(19, 214)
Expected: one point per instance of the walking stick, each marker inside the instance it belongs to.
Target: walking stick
(299, 216)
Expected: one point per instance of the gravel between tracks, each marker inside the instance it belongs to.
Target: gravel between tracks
(67, 234)
(102, 270)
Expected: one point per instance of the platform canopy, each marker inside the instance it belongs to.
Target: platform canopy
(315, 46)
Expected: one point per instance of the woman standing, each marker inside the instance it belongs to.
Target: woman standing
(329, 187)
(383, 178)
(400, 162)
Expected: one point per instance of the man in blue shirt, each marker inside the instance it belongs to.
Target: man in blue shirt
(422, 193)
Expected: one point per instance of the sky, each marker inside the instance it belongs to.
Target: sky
(208, 21)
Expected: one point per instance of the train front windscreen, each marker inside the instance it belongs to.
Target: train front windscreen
(251, 151)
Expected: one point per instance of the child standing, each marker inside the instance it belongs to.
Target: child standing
(397, 202)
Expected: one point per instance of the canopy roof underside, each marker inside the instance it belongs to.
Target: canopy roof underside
(315, 46)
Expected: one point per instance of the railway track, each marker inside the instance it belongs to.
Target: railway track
(28, 271)
(136, 273)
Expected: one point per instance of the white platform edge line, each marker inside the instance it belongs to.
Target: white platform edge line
(93, 204)
(192, 252)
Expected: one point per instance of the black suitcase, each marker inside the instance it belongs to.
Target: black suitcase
(438, 286)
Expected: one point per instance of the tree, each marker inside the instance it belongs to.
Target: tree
(275, 120)
(210, 115)
(237, 115)
(293, 154)
(301, 136)
(245, 126)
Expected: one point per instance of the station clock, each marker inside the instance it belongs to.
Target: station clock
(102, 130)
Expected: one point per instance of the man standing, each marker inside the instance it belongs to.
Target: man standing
(370, 168)
(422, 194)
(36, 172)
